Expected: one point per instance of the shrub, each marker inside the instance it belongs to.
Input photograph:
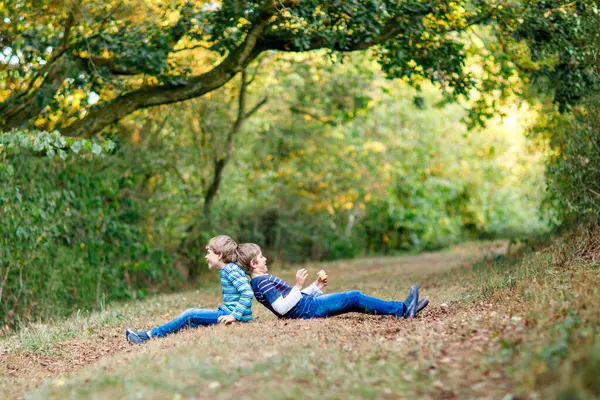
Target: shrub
(574, 172)
(68, 238)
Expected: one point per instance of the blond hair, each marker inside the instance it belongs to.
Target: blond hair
(225, 246)
(246, 253)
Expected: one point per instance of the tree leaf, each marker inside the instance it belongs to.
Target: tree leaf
(96, 149)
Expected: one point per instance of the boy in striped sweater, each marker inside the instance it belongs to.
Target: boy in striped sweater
(287, 301)
(221, 254)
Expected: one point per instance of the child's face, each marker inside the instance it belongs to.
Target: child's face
(259, 265)
(213, 259)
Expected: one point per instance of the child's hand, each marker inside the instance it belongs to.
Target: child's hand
(226, 319)
(322, 279)
(301, 276)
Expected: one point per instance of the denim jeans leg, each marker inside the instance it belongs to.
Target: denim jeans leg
(191, 317)
(354, 301)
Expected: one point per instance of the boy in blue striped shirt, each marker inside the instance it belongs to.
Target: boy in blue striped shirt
(221, 254)
(286, 301)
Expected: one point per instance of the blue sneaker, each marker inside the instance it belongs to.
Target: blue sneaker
(411, 302)
(136, 337)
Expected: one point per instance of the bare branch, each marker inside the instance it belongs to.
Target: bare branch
(67, 30)
(241, 105)
(186, 184)
(310, 114)
(196, 46)
(256, 107)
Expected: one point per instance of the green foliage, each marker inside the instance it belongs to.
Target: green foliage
(563, 39)
(50, 144)
(574, 171)
(339, 162)
(357, 168)
(68, 239)
(56, 54)
(553, 47)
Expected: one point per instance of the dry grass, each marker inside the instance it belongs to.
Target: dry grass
(498, 329)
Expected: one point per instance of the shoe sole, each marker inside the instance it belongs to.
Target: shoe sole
(129, 332)
(422, 304)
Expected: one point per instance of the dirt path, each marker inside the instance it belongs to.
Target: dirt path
(451, 332)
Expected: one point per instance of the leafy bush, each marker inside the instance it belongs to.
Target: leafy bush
(69, 238)
(574, 171)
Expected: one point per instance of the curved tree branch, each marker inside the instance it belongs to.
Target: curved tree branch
(265, 34)
(196, 86)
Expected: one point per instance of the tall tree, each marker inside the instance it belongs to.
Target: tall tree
(130, 52)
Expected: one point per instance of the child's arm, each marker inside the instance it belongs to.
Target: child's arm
(282, 305)
(312, 290)
(238, 279)
(315, 289)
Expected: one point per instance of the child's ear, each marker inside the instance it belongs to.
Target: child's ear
(253, 264)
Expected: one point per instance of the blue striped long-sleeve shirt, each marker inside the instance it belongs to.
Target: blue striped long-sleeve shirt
(269, 290)
(237, 293)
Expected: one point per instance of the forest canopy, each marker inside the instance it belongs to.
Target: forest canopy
(82, 65)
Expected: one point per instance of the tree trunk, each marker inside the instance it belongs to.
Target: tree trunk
(189, 246)
(222, 161)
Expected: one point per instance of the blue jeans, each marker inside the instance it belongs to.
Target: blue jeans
(342, 303)
(192, 317)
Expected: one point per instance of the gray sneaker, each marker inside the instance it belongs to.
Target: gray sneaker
(136, 337)
(422, 304)
(411, 302)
